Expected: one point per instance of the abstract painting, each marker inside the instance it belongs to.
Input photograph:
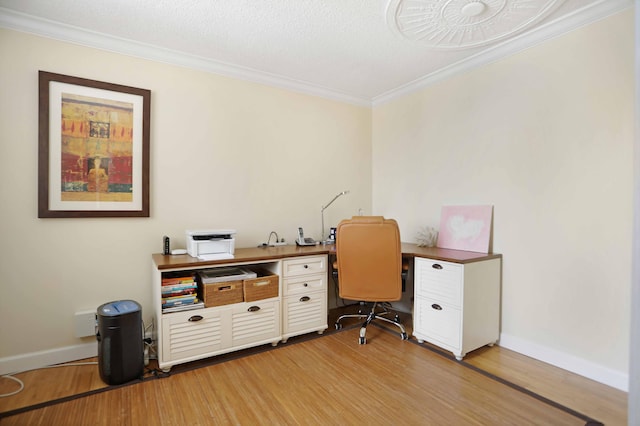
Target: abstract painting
(466, 228)
(94, 148)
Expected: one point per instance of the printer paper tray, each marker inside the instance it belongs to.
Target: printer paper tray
(215, 256)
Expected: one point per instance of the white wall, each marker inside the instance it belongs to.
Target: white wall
(224, 154)
(546, 136)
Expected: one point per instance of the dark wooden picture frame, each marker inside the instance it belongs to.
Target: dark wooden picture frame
(93, 156)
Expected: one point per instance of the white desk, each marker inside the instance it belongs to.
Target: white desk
(301, 305)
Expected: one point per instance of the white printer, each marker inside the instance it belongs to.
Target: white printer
(211, 244)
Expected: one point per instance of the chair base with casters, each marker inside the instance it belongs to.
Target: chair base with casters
(371, 316)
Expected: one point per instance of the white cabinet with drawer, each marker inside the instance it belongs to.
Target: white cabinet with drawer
(190, 334)
(200, 333)
(253, 322)
(304, 295)
(457, 305)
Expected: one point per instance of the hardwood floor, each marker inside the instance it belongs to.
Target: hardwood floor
(329, 380)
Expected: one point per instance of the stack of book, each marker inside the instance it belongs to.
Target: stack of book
(180, 293)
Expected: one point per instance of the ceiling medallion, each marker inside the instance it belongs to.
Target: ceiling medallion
(457, 24)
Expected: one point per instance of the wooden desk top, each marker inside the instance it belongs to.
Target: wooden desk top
(446, 255)
(248, 254)
(261, 254)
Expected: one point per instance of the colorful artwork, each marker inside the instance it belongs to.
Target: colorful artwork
(96, 149)
(466, 228)
(93, 148)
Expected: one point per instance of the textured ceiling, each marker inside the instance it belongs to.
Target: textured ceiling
(361, 51)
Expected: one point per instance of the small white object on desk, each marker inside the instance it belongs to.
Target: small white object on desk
(178, 251)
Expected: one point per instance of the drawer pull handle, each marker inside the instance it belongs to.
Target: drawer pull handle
(305, 285)
(305, 298)
(436, 266)
(253, 308)
(436, 307)
(196, 318)
(306, 266)
(261, 283)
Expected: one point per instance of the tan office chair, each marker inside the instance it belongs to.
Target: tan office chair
(369, 267)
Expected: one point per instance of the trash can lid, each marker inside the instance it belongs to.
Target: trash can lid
(118, 307)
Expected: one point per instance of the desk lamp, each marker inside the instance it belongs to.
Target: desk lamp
(325, 240)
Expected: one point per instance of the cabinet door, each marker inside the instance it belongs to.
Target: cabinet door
(255, 322)
(191, 333)
(440, 280)
(304, 265)
(438, 323)
(304, 312)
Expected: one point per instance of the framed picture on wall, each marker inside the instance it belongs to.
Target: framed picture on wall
(93, 156)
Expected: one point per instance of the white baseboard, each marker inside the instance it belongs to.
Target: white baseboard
(34, 360)
(588, 369)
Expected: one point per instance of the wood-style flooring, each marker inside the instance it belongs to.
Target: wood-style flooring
(327, 379)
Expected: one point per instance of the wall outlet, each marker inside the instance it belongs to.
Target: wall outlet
(85, 322)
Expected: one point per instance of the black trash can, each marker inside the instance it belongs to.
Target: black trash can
(120, 344)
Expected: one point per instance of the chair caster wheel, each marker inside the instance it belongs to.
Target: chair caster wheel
(338, 326)
(404, 336)
(362, 340)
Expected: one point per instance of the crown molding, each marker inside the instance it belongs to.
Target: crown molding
(51, 29)
(573, 21)
(55, 30)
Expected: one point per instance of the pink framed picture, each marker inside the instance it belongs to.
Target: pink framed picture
(466, 228)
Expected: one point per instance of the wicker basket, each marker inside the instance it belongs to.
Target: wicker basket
(262, 287)
(222, 293)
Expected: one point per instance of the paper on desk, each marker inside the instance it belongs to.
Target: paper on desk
(215, 256)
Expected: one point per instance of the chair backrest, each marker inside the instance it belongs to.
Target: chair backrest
(368, 251)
